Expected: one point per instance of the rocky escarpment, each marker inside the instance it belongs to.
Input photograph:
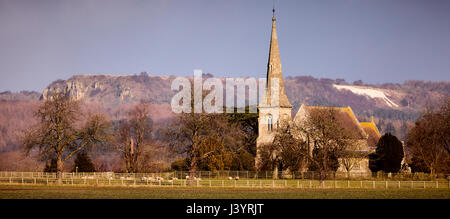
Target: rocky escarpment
(113, 90)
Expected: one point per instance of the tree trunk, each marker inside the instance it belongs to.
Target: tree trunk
(192, 171)
(432, 172)
(59, 169)
(322, 178)
(275, 172)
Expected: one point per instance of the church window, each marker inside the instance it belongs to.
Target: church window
(269, 123)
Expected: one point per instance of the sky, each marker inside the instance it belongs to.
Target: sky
(376, 41)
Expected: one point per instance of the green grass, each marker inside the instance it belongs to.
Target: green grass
(98, 192)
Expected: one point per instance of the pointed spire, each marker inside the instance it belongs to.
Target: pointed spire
(273, 11)
(274, 68)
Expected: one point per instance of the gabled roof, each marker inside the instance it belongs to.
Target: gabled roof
(372, 131)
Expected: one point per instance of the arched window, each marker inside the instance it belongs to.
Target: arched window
(269, 123)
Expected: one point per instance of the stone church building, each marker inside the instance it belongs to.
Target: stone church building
(276, 110)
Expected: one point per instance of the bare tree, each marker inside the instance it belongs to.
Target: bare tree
(327, 139)
(202, 137)
(351, 157)
(429, 139)
(213, 138)
(133, 136)
(59, 134)
(269, 158)
(286, 150)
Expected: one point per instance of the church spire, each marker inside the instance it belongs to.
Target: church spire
(274, 69)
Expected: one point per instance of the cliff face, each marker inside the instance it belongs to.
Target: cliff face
(114, 90)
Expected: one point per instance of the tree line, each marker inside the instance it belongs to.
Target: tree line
(202, 141)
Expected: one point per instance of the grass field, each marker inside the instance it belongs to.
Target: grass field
(93, 192)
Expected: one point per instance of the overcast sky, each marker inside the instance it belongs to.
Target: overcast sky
(376, 41)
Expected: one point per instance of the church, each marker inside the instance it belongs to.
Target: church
(275, 110)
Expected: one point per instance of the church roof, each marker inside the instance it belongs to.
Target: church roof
(345, 117)
(274, 72)
(372, 131)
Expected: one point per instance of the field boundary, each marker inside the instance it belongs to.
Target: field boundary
(298, 184)
(224, 179)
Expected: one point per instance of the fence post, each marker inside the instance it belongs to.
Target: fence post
(374, 186)
(399, 184)
(222, 183)
(360, 184)
(424, 184)
(386, 184)
(437, 184)
(285, 183)
(348, 183)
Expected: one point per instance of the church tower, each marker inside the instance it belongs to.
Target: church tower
(274, 108)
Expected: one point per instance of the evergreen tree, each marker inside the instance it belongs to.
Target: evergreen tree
(388, 155)
(84, 163)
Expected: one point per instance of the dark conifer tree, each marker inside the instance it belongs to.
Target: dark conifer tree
(84, 163)
(388, 155)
